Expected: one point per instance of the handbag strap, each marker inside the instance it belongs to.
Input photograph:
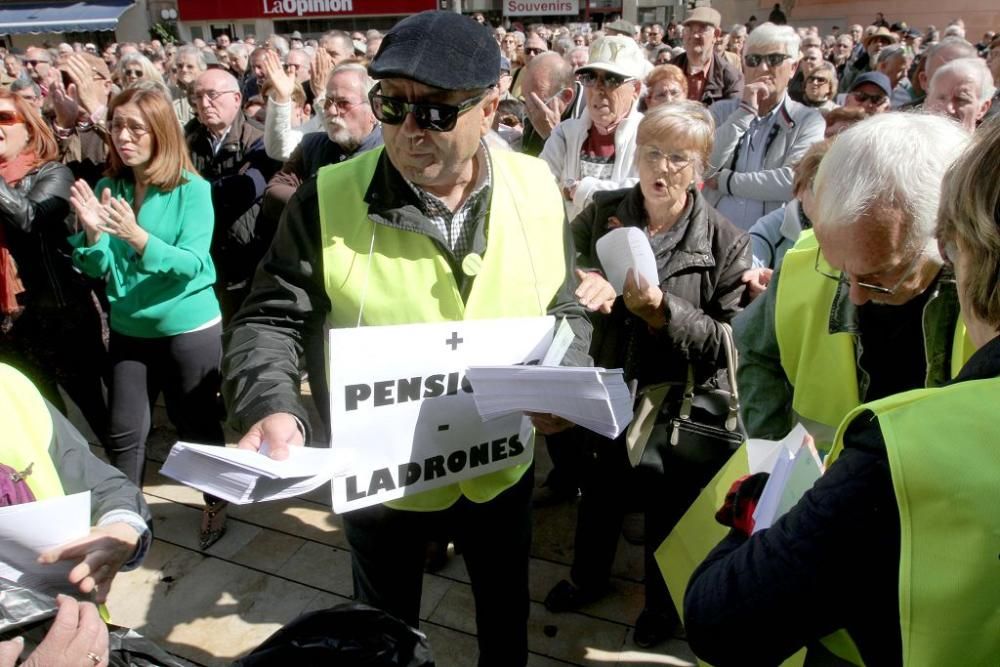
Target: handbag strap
(729, 347)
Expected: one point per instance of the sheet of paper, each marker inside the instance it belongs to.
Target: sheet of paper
(30, 529)
(626, 248)
(795, 472)
(763, 454)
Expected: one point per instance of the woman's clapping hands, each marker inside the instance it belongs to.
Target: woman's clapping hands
(111, 215)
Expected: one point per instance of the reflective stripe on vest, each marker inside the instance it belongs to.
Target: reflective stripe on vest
(822, 366)
(27, 433)
(408, 280)
(943, 448)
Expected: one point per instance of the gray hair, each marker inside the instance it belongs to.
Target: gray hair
(365, 81)
(864, 169)
(769, 34)
(21, 84)
(279, 44)
(972, 67)
(149, 71)
(957, 44)
(189, 50)
(890, 52)
(738, 30)
(238, 49)
(684, 120)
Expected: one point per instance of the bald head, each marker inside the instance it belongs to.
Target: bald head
(217, 99)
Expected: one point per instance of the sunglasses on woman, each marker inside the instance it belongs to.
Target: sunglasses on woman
(428, 115)
(10, 118)
(817, 79)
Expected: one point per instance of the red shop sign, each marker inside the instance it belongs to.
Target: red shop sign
(211, 10)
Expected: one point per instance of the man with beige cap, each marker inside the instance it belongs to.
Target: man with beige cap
(597, 151)
(710, 77)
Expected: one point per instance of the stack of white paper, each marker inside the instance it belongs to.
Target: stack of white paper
(30, 529)
(242, 476)
(796, 467)
(595, 398)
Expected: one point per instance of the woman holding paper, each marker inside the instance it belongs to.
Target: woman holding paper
(653, 331)
(897, 543)
(147, 231)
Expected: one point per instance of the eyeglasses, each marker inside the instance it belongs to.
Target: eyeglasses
(871, 287)
(603, 79)
(33, 63)
(10, 118)
(212, 95)
(654, 157)
(772, 59)
(135, 128)
(137, 73)
(817, 79)
(343, 106)
(428, 115)
(865, 98)
(533, 51)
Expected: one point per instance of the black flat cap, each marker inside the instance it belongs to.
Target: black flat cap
(441, 49)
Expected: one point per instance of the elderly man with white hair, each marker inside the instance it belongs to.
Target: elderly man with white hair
(865, 307)
(597, 151)
(893, 549)
(962, 89)
(763, 134)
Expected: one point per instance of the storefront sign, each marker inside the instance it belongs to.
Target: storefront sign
(218, 10)
(540, 7)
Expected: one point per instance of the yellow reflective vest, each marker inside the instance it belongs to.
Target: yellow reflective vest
(822, 366)
(27, 433)
(944, 457)
(378, 274)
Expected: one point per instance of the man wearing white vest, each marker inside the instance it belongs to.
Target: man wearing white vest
(418, 218)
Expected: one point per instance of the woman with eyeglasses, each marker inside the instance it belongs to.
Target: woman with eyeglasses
(50, 325)
(665, 84)
(821, 88)
(147, 232)
(135, 67)
(653, 332)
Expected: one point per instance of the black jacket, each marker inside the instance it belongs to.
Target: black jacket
(831, 562)
(269, 340)
(724, 81)
(701, 282)
(238, 172)
(36, 218)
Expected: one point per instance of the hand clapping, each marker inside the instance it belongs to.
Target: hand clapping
(111, 215)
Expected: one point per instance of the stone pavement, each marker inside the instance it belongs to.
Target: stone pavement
(284, 558)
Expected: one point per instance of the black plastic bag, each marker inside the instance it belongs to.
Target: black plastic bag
(130, 649)
(348, 635)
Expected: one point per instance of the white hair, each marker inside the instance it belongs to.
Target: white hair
(769, 34)
(365, 82)
(972, 67)
(279, 44)
(890, 52)
(890, 159)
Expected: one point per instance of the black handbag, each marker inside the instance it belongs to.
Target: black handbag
(691, 423)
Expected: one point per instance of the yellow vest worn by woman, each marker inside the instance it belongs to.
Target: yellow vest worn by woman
(822, 366)
(27, 432)
(381, 274)
(944, 456)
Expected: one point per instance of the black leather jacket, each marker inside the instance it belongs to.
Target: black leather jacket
(701, 282)
(36, 218)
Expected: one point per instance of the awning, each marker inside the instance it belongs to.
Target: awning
(30, 17)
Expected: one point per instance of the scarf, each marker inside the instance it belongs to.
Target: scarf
(10, 283)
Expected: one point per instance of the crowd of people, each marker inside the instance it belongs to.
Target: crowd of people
(170, 222)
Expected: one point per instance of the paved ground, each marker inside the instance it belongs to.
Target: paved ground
(281, 559)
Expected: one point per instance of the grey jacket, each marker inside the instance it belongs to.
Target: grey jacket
(766, 392)
(796, 129)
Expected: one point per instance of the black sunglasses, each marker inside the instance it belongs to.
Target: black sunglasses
(865, 98)
(772, 59)
(428, 115)
(607, 79)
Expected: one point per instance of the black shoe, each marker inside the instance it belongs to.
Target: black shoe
(564, 596)
(653, 627)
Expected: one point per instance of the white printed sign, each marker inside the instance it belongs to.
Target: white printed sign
(541, 7)
(402, 411)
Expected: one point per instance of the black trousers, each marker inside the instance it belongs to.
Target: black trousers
(388, 548)
(185, 368)
(608, 489)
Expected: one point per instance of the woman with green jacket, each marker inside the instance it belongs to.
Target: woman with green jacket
(148, 232)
